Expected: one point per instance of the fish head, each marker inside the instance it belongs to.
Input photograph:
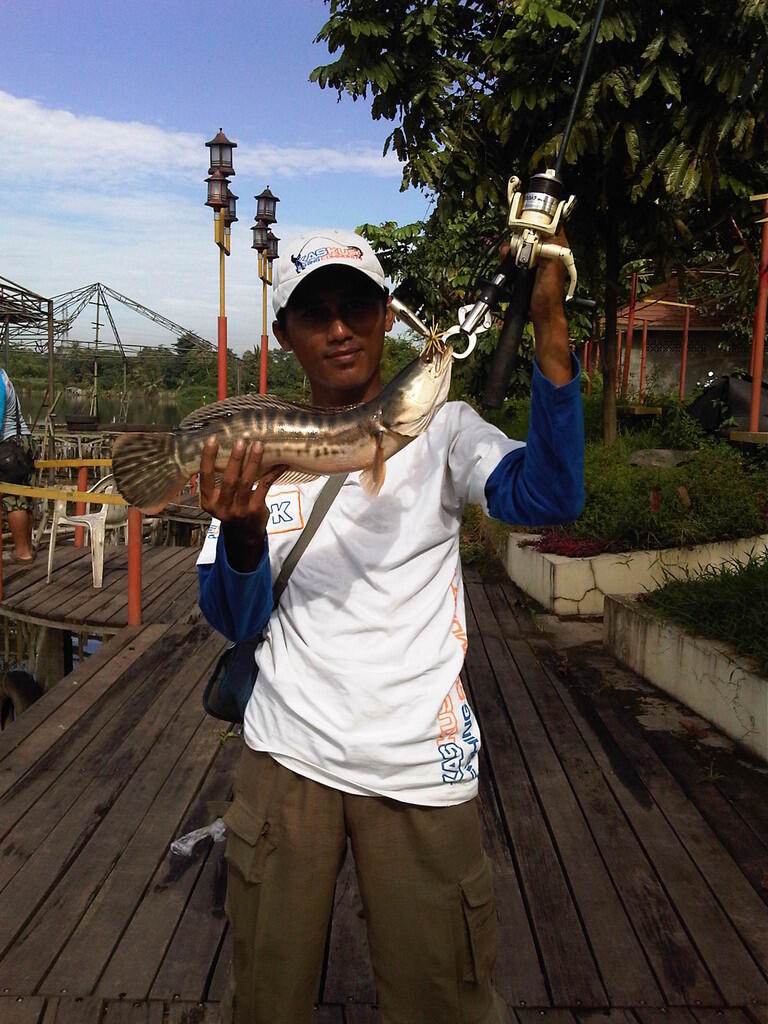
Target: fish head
(418, 392)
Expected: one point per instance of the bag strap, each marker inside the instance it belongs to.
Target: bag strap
(324, 501)
(18, 415)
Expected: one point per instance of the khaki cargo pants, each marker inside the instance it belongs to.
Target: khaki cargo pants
(425, 884)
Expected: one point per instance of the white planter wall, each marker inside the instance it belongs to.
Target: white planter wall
(577, 586)
(706, 676)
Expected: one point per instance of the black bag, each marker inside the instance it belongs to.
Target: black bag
(231, 683)
(17, 462)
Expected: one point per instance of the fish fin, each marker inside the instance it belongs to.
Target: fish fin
(294, 476)
(213, 413)
(147, 471)
(372, 479)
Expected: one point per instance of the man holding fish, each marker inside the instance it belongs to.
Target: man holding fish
(358, 725)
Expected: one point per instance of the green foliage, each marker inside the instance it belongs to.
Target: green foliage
(671, 136)
(726, 603)
(630, 507)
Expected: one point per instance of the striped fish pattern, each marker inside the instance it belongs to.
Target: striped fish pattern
(150, 469)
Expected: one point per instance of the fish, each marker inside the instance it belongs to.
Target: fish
(311, 441)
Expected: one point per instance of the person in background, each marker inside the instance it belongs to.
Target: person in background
(17, 508)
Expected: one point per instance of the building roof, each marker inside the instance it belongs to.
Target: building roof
(664, 310)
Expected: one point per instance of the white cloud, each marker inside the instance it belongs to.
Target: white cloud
(54, 145)
(87, 199)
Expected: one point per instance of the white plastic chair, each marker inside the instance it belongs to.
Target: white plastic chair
(107, 517)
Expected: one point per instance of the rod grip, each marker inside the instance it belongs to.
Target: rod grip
(505, 355)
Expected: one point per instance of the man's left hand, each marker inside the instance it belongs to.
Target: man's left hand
(550, 327)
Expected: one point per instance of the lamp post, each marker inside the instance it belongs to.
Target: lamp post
(223, 203)
(265, 243)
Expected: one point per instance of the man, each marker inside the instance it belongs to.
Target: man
(358, 725)
(17, 508)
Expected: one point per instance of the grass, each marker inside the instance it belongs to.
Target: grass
(726, 603)
(718, 493)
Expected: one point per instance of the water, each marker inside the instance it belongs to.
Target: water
(165, 410)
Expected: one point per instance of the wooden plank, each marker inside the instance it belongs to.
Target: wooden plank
(349, 976)
(18, 581)
(115, 802)
(21, 1009)
(733, 893)
(730, 965)
(676, 963)
(519, 978)
(185, 1012)
(749, 436)
(743, 842)
(673, 1015)
(570, 968)
(12, 737)
(623, 968)
(101, 604)
(557, 1015)
(218, 983)
(328, 1015)
(56, 782)
(68, 1010)
(73, 699)
(143, 945)
(158, 580)
(99, 930)
(360, 1014)
(191, 956)
(759, 1014)
(120, 1011)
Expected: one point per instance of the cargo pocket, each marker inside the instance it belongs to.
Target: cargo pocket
(249, 842)
(479, 923)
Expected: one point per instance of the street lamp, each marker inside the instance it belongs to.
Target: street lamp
(265, 243)
(223, 203)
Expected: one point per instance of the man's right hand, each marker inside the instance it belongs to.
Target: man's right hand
(239, 505)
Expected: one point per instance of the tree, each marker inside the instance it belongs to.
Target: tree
(670, 138)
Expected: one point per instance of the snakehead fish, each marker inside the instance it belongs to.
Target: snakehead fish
(150, 469)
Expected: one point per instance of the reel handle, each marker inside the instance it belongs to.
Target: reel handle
(505, 354)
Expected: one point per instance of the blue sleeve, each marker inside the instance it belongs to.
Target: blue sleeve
(543, 483)
(3, 398)
(237, 604)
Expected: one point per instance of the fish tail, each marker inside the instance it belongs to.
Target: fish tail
(147, 469)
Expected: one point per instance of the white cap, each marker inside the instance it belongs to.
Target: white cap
(330, 247)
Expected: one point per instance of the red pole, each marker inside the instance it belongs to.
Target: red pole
(618, 362)
(630, 330)
(222, 358)
(758, 332)
(134, 567)
(642, 358)
(263, 366)
(684, 353)
(587, 357)
(82, 485)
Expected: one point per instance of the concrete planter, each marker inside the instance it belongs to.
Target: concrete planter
(705, 675)
(577, 586)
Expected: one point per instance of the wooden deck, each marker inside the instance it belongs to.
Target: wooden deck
(168, 588)
(630, 883)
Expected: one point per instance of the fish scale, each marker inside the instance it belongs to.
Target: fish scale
(311, 441)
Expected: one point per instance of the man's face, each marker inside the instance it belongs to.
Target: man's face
(335, 324)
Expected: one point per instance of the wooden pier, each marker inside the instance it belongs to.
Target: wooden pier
(630, 881)
(69, 601)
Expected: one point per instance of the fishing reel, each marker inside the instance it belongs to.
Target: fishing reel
(535, 216)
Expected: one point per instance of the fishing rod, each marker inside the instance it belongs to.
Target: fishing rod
(535, 218)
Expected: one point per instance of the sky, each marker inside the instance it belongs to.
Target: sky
(106, 106)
